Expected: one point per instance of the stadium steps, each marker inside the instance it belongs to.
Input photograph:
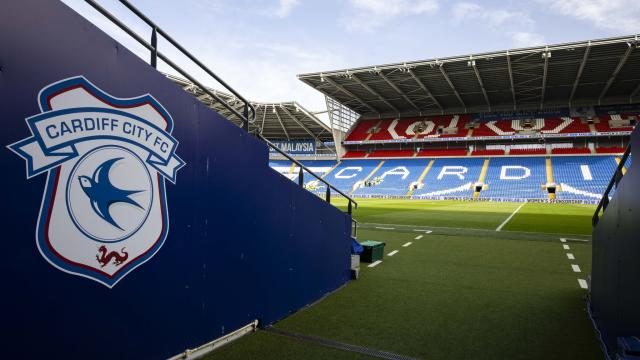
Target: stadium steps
(422, 176)
(624, 169)
(331, 169)
(550, 180)
(483, 175)
(371, 134)
(355, 186)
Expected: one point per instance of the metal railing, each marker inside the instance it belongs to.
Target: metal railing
(246, 118)
(617, 176)
(155, 55)
(303, 168)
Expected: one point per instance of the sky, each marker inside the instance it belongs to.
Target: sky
(259, 46)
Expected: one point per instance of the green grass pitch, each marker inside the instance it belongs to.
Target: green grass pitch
(462, 291)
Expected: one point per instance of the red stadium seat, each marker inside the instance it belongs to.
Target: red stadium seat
(560, 151)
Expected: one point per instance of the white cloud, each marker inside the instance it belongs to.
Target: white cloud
(523, 39)
(269, 74)
(368, 15)
(518, 26)
(617, 15)
(285, 7)
(493, 17)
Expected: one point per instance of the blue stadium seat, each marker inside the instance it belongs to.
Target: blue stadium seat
(516, 178)
(451, 177)
(394, 176)
(583, 177)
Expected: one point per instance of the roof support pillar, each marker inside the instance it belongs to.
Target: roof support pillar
(455, 91)
(513, 88)
(477, 72)
(587, 50)
(546, 55)
(616, 71)
(281, 123)
(397, 89)
(369, 89)
(349, 93)
(424, 88)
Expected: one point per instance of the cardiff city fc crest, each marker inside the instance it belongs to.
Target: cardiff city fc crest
(104, 209)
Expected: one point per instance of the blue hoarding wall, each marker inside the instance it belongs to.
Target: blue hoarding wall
(615, 295)
(229, 239)
(295, 147)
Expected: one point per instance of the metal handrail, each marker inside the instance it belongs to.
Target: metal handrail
(617, 176)
(155, 54)
(301, 176)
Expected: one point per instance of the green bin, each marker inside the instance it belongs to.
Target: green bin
(373, 251)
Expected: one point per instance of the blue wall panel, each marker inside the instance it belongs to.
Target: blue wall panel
(235, 251)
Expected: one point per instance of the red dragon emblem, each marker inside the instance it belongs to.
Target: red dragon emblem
(105, 258)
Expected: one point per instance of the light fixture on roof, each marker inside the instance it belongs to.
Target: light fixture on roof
(321, 78)
(546, 54)
(273, 109)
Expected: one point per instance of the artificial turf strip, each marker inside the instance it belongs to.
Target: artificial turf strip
(435, 213)
(532, 217)
(458, 298)
(338, 345)
(264, 345)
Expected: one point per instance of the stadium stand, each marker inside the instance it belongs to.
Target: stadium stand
(442, 152)
(354, 154)
(582, 177)
(391, 153)
(515, 178)
(567, 151)
(578, 178)
(394, 177)
(534, 151)
(488, 152)
(349, 173)
(457, 126)
(610, 150)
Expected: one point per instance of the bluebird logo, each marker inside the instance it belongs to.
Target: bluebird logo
(102, 193)
(104, 209)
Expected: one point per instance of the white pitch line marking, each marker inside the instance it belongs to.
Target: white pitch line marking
(566, 247)
(583, 283)
(384, 228)
(375, 263)
(424, 231)
(407, 244)
(392, 253)
(509, 218)
(572, 239)
(563, 240)
(418, 237)
(570, 256)
(575, 268)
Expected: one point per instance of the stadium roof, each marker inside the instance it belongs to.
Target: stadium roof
(595, 72)
(275, 121)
